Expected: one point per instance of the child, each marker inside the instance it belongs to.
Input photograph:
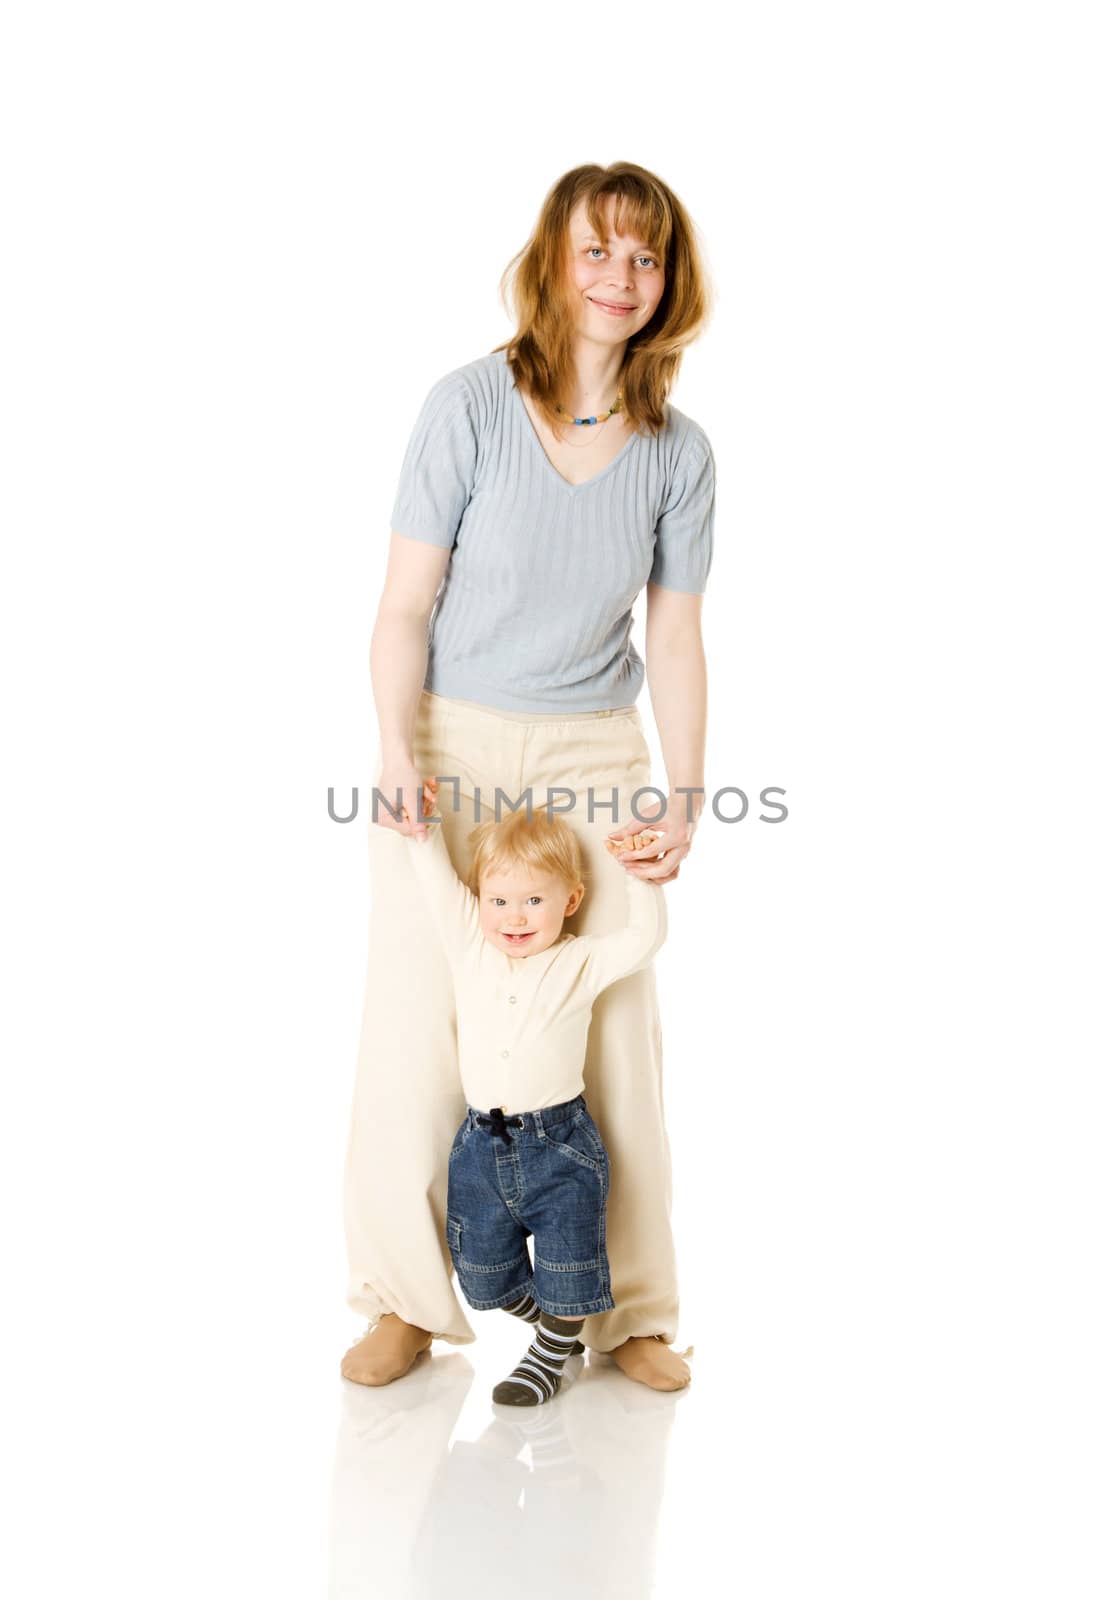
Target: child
(528, 1158)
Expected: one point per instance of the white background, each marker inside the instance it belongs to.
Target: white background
(242, 241)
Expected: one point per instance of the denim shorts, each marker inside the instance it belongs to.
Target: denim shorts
(548, 1177)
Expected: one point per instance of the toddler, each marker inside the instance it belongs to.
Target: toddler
(528, 1158)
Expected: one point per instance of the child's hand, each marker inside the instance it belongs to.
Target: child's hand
(429, 799)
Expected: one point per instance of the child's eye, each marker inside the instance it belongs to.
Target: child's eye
(535, 899)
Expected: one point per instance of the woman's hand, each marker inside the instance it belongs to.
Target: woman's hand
(417, 798)
(660, 857)
(430, 798)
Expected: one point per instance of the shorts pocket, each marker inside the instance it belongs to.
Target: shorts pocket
(581, 1143)
(592, 1136)
(461, 1139)
(453, 1236)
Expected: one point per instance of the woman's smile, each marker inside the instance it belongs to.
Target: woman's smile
(612, 310)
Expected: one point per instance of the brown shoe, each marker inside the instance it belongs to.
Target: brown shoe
(650, 1361)
(386, 1352)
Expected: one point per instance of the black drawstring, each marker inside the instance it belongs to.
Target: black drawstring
(498, 1125)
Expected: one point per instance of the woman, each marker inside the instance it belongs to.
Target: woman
(501, 658)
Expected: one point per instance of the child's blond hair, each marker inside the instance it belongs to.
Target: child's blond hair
(541, 843)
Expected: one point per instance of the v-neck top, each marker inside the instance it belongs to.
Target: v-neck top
(522, 1022)
(534, 612)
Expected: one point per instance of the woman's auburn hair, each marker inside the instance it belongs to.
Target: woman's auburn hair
(539, 842)
(540, 354)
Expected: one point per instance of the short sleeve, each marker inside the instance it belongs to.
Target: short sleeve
(685, 532)
(436, 478)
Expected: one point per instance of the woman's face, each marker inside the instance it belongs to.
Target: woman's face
(618, 271)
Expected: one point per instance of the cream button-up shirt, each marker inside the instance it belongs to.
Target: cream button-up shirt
(522, 1021)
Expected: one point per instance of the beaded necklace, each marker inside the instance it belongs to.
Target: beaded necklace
(618, 406)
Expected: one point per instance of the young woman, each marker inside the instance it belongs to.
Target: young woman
(544, 484)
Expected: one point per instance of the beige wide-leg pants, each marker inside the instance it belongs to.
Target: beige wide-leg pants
(408, 1099)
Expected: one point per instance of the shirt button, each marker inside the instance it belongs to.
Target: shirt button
(505, 1052)
(511, 999)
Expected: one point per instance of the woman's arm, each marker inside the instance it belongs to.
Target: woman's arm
(398, 666)
(676, 673)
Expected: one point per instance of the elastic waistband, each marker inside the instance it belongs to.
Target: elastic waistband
(474, 707)
(532, 1121)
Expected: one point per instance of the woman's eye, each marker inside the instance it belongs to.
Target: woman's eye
(599, 248)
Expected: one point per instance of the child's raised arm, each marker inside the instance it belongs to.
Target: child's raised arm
(450, 905)
(612, 956)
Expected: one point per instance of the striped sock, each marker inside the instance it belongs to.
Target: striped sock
(537, 1378)
(528, 1308)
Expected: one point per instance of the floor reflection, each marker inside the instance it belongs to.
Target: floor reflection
(564, 1497)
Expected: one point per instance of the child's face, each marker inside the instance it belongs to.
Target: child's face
(522, 910)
